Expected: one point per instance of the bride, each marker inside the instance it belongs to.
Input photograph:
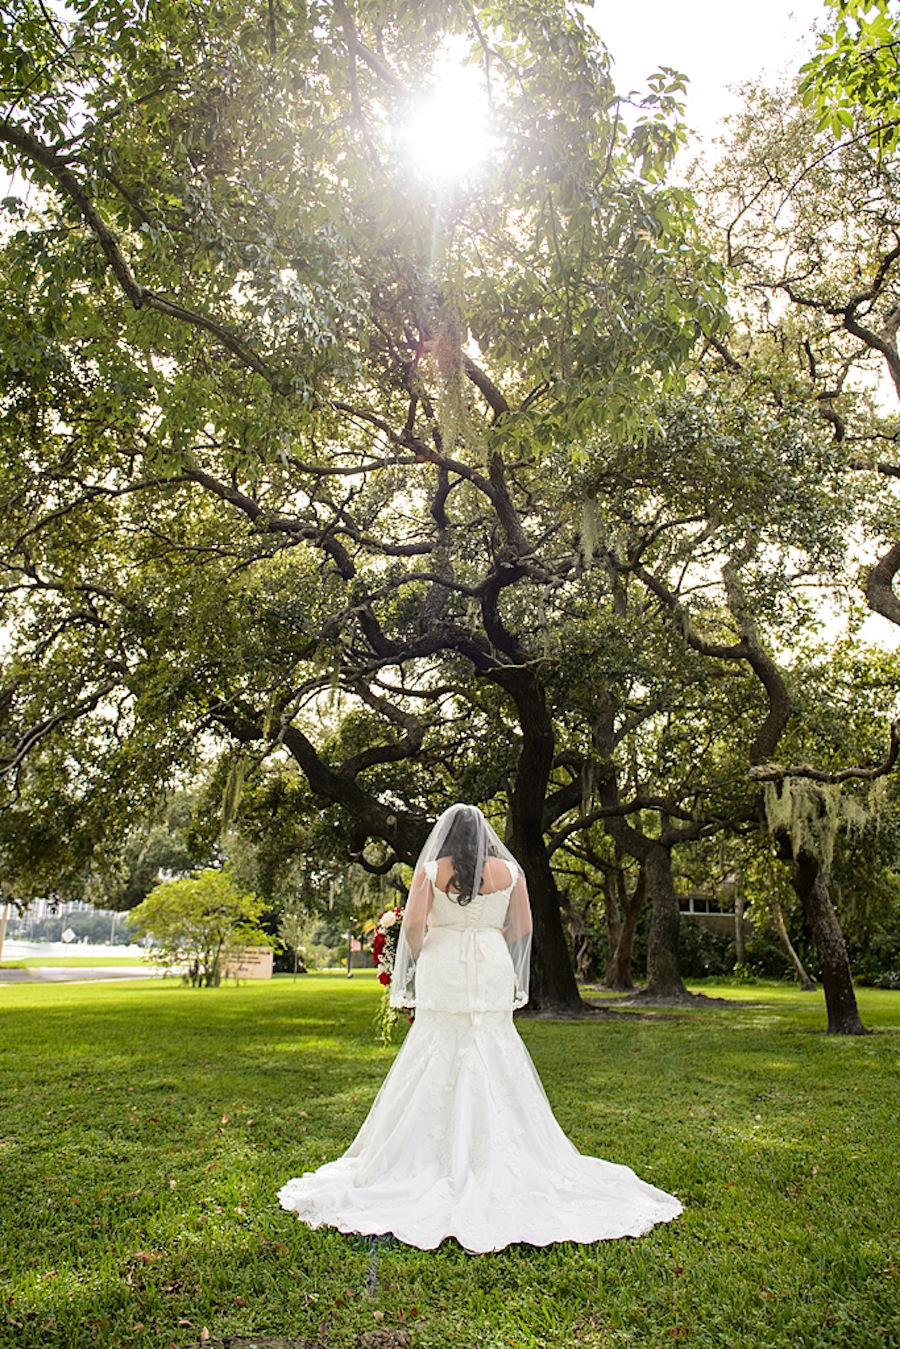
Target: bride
(461, 1140)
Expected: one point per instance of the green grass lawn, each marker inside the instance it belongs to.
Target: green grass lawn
(144, 1129)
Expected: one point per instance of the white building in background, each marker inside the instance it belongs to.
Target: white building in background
(21, 925)
(39, 909)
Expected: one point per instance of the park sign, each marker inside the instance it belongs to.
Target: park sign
(252, 962)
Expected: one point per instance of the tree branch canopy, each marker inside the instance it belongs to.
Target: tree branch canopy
(389, 490)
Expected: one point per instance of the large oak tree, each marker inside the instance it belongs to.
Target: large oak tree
(287, 417)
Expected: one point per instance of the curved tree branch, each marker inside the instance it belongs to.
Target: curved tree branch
(61, 174)
(777, 773)
(880, 594)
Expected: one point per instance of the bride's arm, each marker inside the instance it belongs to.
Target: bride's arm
(415, 915)
(412, 935)
(518, 915)
(517, 931)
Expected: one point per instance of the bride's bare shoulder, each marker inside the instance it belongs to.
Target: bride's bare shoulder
(496, 874)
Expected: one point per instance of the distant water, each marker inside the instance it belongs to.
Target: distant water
(31, 950)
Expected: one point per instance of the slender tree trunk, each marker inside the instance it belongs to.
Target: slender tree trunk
(613, 908)
(3, 922)
(664, 982)
(585, 958)
(807, 984)
(837, 981)
(663, 970)
(740, 946)
(619, 977)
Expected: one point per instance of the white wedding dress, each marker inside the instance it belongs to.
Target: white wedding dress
(461, 1140)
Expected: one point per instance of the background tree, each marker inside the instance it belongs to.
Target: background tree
(806, 204)
(293, 925)
(199, 922)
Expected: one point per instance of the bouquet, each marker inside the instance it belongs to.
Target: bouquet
(384, 947)
(384, 953)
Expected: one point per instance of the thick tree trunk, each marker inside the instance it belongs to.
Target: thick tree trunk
(807, 984)
(664, 980)
(552, 977)
(619, 976)
(553, 983)
(837, 981)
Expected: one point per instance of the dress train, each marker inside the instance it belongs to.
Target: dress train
(461, 1142)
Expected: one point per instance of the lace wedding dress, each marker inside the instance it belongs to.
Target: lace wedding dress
(461, 1140)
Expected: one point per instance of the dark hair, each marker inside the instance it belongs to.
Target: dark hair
(461, 846)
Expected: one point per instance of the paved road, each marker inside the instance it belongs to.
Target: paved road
(84, 974)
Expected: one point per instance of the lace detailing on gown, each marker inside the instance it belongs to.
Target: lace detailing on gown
(461, 1140)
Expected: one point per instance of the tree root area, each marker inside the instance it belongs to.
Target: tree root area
(384, 1337)
(641, 998)
(590, 1010)
(618, 1007)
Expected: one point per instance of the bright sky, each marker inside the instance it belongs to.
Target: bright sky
(715, 43)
